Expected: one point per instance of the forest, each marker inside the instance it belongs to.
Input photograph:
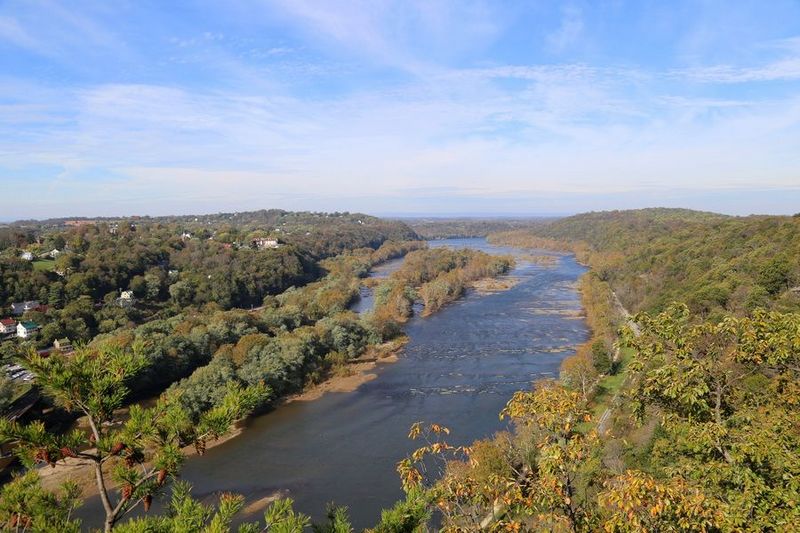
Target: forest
(435, 277)
(212, 366)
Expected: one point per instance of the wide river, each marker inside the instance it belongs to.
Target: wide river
(459, 369)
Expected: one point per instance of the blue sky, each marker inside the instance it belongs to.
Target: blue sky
(152, 107)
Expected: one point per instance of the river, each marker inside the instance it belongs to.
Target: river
(460, 367)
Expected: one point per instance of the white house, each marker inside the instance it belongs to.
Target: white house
(8, 325)
(126, 299)
(52, 254)
(262, 243)
(26, 328)
(27, 256)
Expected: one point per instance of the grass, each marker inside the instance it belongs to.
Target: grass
(44, 265)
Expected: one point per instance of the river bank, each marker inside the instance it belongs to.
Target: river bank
(360, 371)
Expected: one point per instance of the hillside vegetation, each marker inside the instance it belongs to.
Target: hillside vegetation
(713, 263)
(168, 264)
(449, 228)
(683, 417)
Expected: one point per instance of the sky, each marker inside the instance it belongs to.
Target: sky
(398, 107)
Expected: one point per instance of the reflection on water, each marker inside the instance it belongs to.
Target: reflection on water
(459, 369)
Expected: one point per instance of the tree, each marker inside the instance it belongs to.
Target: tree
(55, 296)
(138, 285)
(538, 481)
(774, 276)
(7, 392)
(182, 292)
(635, 501)
(726, 393)
(139, 454)
(26, 506)
(154, 282)
(579, 373)
(601, 358)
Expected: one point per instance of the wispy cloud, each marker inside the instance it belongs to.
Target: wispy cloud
(13, 32)
(784, 70)
(569, 30)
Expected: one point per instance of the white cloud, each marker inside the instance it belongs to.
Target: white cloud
(784, 70)
(12, 31)
(569, 31)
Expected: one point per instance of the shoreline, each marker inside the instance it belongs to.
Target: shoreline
(82, 473)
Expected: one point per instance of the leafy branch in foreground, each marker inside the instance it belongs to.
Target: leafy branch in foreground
(138, 454)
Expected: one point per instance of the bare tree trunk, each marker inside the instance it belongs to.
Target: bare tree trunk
(111, 514)
(101, 486)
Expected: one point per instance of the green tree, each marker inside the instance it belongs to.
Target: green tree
(138, 285)
(774, 276)
(726, 393)
(26, 506)
(138, 454)
(7, 392)
(55, 296)
(182, 293)
(601, 357)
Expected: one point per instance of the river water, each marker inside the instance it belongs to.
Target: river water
(459, 369)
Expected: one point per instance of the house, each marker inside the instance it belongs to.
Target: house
(263, 243)
(26, 328)
(52, 254)
(63, 345)
(186, 236)
(19, 308)
(8, 325)
(78, 223)
(126, 299)
(27, 256)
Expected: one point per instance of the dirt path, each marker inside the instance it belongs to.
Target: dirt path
(602, 422)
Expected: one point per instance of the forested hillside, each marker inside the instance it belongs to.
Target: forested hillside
(76, 273)
(449, 228)
(683, 417)
(713, 263)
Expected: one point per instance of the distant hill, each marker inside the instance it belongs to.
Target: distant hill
(712, 262)
(456, 227)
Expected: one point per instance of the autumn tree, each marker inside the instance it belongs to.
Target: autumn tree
(531, 482)
(579, 373)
